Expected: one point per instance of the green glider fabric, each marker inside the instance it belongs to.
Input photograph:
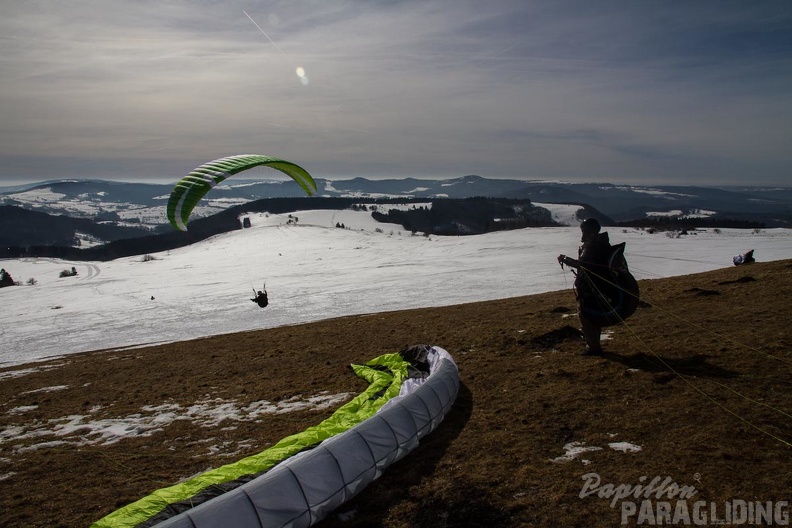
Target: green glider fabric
(385, 375)
(189, 191)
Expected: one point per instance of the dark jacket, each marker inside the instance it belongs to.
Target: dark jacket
(261, 299)
(593, 259)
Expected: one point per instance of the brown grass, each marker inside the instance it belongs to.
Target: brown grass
(699, 380)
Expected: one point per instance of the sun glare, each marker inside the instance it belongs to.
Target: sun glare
(301, 74)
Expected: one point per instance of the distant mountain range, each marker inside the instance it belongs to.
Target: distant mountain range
(87, 198)
(99, 211)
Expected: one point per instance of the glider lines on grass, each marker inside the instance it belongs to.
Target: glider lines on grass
(189, 191)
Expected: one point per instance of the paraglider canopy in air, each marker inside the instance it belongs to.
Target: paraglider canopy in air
(189, 191)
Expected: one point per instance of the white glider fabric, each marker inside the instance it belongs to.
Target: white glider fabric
(306, 488)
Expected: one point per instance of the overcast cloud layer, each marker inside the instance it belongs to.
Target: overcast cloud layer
(618, 91)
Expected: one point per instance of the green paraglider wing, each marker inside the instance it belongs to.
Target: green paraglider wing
(385, 375)
(188, 192)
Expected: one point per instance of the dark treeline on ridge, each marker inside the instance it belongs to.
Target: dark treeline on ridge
(444, 217)
(667, 223)
(23, 227)
(35, 234)
(470, 216)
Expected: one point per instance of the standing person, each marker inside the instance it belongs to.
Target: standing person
(592, 262)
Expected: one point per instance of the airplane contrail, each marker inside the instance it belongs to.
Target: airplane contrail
(264, 33)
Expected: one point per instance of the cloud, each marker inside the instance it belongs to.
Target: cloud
(398, 88)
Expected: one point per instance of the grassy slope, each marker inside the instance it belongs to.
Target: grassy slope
(668, 382)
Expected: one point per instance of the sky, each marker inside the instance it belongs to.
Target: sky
(641, 92)
(314, 271)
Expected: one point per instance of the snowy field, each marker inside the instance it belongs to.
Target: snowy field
(315, 271)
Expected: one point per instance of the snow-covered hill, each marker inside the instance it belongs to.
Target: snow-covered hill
(314, 270)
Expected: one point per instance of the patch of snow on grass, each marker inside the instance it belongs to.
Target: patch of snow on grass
(8, 374)
(573, 450)
(85, 430)
(48, 389)
(625, 447)
(22, 409)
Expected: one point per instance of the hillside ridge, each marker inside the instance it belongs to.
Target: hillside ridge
(693, 387)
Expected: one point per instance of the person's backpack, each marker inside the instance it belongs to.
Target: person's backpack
(613, 294)
(745, 258)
